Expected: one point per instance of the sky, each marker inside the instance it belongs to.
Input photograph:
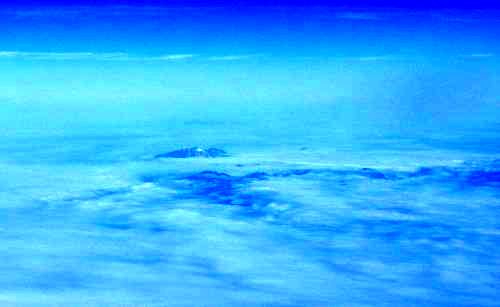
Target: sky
(429, 64)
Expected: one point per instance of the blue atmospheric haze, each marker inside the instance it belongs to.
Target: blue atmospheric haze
(194, 153)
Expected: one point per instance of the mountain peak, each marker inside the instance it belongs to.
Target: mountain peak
(194, 152)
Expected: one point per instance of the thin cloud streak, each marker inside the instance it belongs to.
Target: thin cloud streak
(172, 57)
(479, 55)
(339, 13)
(358, 16)
(116, 56)
(179, 57)
(76, 56)
(54, 56)
(373, 58)
(105, 11)
(233, 57)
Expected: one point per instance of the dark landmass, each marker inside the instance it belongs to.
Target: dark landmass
(194, 152)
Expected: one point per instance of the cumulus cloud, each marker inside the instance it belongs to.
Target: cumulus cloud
(261, 226)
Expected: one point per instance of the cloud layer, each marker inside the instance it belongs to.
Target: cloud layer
(123, 56)
(117, 56)
(111, 56)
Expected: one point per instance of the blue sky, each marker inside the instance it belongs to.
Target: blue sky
(131, 31)
(431, 60)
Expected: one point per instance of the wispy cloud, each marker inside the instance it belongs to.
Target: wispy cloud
(373, 58)
(63, 55)
(234, 57)
(471, 16)
(479, 55)
(103, 11)
(352, 59)
(75, 56)
(118, 56)
(358, 15)
(180, 57)
(157, 11)
(172, 57)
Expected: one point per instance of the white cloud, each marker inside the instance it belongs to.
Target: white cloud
(8, 54)
(123, 56)
(106, 56)
(367, 58)
(172, 57)
(232, 57)
(114, 56)
(63, 55)
(479, 55)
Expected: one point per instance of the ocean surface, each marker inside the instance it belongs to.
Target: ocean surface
(91, 218)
